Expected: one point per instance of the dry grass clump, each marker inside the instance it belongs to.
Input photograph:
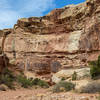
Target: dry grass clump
(63, 86)
(92, 87)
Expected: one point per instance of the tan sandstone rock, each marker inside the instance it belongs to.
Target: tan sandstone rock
(67, 74)
(69, 35)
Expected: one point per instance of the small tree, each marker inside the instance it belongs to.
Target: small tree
(74, 76)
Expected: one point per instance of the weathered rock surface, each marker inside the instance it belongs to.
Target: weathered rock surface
(67, 74)
(4, 62)
(3, 87)
(66, 37)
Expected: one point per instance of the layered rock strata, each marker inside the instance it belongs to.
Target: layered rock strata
(64, 38)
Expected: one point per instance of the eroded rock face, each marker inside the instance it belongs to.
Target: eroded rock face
(67, 74)
(70, 36)
(4, 61)
(1, 64)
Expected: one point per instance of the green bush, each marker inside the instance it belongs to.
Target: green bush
(40, 83)
(24, 81)
(63, 86)
(74, 76)
(95, 68)
(7, 78)
(63, 78)
(30, 82)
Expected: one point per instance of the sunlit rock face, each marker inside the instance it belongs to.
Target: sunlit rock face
(69, 36)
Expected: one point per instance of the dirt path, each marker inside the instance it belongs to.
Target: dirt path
(40, 94)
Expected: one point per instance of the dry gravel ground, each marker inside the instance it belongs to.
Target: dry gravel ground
(40, 94)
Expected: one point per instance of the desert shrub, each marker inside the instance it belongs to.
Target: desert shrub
(95, 68)
(24, 81)
(63, 86)
(30, 82)
(40, 83)
(9, 73)
(63, 78)
(7, 78)
(98, 98)
(74, 76)
(92, 87)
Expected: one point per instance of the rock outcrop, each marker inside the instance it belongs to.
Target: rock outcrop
(71, 75)
(64, 38)
(4, 61)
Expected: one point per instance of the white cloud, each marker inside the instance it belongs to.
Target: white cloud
(11, 10)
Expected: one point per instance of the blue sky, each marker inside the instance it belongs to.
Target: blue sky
(12, 10)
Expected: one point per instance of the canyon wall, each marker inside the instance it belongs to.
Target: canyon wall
(64, 38)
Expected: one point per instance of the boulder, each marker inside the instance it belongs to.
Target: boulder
(3, 87)
(68, 73)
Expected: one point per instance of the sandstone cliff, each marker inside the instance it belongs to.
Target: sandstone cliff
(66, 37)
